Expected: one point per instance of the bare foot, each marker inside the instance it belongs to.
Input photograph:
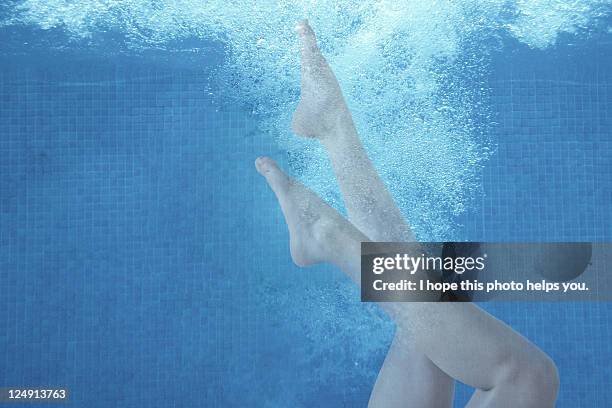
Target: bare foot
(321, 103)
(312, 223)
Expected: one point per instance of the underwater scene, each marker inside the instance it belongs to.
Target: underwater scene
(144, 262)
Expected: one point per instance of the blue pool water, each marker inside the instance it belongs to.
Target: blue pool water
(143, 262)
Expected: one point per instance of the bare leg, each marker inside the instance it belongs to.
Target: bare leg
(462, 340)
(407, 377)
(322, 113)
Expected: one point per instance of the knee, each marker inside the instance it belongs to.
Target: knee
(534, 379)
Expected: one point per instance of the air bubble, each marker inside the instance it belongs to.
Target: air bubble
(413, 73)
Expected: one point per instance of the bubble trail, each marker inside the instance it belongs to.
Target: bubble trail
(413, 74)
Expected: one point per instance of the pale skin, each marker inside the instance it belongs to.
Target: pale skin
(435, 343)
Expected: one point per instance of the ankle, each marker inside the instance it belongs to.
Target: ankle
(341, 133)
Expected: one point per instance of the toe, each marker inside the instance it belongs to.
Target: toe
(276, 178)
(308, 40)
(265, 165)
(261, 165)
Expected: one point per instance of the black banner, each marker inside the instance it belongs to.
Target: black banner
(470, 271)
